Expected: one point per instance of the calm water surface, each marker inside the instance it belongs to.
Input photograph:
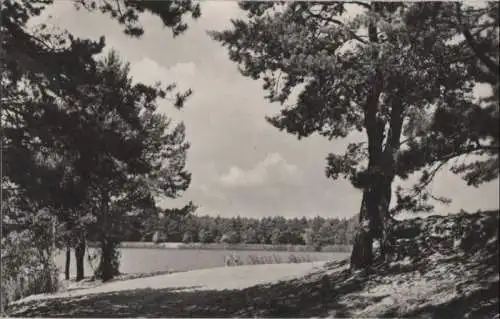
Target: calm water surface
(145, 260)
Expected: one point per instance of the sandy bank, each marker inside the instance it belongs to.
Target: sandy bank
(205, 279)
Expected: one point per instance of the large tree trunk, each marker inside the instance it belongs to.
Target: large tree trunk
(378, 202)
(372, 218)
(68, 263)
(362, 255)
(80, 259)
(374, 212)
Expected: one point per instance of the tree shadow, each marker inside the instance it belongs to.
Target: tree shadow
(482, 303)
(482, 270)
(295, 298)
(315, 295)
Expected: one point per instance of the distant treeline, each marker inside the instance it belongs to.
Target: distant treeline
(317, 231)
(240, 246)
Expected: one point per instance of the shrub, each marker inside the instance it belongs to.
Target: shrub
(158, 237)
(27, 266)
(187, 238)
(230, 238)
(107, 271)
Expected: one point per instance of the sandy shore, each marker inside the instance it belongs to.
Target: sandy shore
(205, 279)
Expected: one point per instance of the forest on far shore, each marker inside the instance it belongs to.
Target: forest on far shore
(182, 226)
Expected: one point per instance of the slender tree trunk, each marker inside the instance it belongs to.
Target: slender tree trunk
(105, 266)
(80, 259)
(68, 263)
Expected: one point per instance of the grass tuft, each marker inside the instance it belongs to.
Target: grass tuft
(254, 259)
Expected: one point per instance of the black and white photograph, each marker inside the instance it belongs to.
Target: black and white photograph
(249, 159)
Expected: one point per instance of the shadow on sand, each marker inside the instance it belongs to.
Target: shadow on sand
(316, 295)
(296, 298)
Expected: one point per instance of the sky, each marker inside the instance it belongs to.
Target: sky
(240, 164)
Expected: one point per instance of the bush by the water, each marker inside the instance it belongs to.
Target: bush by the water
(111, 268)
(27, 267)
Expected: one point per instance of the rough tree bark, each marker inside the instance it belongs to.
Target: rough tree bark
(362, 255)
(373, 219)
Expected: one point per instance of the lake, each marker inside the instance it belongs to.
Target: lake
(146, 260)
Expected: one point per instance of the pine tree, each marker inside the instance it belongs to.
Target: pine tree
(373, 72)
(47, 79)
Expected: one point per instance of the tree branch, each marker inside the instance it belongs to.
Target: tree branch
(119, 8)
(433, 173)
(490, 64)
(365, 5)
(337, 22)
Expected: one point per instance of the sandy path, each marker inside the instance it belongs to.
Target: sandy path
(204, 279)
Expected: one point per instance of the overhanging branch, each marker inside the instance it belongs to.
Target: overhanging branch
(489, 63)
(337, 22)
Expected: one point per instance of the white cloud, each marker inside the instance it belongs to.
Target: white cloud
(148, 71)
(226, 127)
(216, 15)
(211, 193)
(274, 168)
(482, 90)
